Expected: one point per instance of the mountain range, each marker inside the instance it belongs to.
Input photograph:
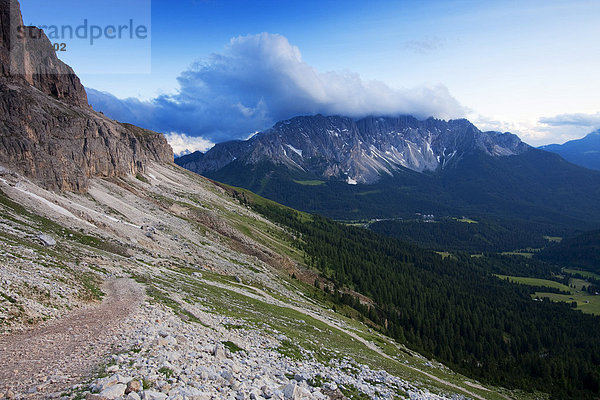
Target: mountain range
(359, 151)
(584, 152)
(395, 167)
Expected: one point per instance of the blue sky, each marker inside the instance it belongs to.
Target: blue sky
(523, 66)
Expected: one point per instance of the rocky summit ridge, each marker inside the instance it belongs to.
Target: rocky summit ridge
(359, 151)
(47, 129)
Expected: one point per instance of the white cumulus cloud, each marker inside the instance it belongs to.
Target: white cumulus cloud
(183, 144)
(261, 79)
(577, 119)
(542, 131)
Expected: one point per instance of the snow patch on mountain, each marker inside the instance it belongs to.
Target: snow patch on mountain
(295, 150)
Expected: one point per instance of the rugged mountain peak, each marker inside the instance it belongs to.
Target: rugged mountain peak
(359, 151)
(26, 55)
(48, 132)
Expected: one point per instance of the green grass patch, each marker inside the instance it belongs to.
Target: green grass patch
(161, 297)
(585, 274)
(91, 289)
(290, 350)
(351, 392)
(553, 239)
(146, 384)
(578, 283)
(586, 303)
(230, 327)
(317, 381)
(535, 282)
(141, 178)
(466, 220)
(101, 244)
(310, 182)
(232, 347)
(8, 298)
(444, 254)
(517, 253)
(166, 371)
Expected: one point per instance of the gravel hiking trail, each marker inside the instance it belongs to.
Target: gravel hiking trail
(54, 356)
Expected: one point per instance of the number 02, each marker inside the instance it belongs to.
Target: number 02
(60, 46)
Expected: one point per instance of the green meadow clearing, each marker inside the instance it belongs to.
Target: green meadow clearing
(310, 183)
(585, 274)
(587, 303)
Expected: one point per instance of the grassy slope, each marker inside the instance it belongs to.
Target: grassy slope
(312, 338)
(535, 282)
(583, 273)
(389, 346)
(177, 288)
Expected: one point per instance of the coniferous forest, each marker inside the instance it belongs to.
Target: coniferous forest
(454, 308)
(481, 235)
(582, 251)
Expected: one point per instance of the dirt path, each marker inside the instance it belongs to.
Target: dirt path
(56, 355)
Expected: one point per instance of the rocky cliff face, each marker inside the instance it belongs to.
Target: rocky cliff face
(359, 151)
(47, 129)
(27, 56)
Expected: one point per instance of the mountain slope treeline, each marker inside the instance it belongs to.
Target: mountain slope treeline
(454, 308)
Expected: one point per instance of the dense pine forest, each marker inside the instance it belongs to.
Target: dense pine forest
(475, 236)
(579, 252)
(453, 308)
(538, 189)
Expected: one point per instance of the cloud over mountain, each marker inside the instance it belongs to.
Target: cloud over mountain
(577, 119)
(185, 144)
(260, 79)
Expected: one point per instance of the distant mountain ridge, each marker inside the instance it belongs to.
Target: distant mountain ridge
(384, 167)
(359, 151)
(584, 152)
